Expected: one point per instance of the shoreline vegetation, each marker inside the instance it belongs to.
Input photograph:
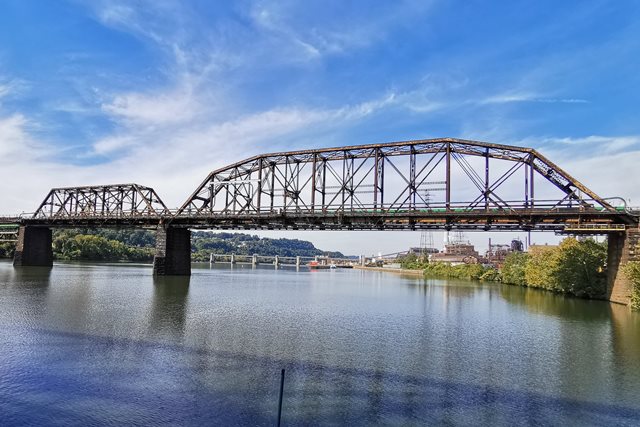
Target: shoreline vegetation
(574, 267)
(109, 245)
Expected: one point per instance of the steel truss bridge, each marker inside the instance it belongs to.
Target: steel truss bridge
(441, 183)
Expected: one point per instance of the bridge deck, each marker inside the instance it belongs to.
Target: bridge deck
(543, 219)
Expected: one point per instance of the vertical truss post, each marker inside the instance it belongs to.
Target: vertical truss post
(376, 166)
(297, 192)
(486, 179)
(526, 185)
(259, 195)
(531, 186)
(351, 188)
(273, 183)
(380, 178)
(236, 194)
(324, 183)
(412, 178)
(313, 182)
(226, 197)
(286, 183)
(104, 199)
(448, 177)
(212, 196)
(121, 202)
(343, 184)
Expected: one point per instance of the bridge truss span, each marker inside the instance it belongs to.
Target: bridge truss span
(435, 183)
(119, 204)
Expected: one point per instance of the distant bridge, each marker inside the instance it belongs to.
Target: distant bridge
(440, 184)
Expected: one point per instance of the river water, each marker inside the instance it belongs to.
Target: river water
(112, 345)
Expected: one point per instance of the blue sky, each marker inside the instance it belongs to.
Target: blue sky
(162, 92)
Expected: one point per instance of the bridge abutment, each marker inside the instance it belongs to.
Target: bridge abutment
(173, 252)
(33, 247)
(622, 248)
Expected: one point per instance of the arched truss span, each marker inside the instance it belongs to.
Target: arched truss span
(430, 183)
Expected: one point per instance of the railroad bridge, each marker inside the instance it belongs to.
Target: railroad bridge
(440, 184)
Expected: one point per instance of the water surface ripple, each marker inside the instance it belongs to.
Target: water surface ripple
(112, 345)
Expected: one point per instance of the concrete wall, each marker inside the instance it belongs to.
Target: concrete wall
(173, 252)
(33, 247)
(623, 247)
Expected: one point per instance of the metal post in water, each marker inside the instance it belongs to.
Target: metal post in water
(280, 398)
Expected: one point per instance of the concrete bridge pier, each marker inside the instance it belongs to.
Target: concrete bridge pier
(33, 247)
(622, 248)
(276, 261)
(254, 260)
(173, 252)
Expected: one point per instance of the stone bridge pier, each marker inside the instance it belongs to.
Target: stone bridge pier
(623, 247)
(173, 252)
(33, 247)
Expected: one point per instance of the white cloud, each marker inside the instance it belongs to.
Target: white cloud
(176, 106)
(4, 90)
(294, 32)
(12, 136)
(510, 97)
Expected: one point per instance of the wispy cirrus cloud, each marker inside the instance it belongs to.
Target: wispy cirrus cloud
(306, 36)
(506, 98)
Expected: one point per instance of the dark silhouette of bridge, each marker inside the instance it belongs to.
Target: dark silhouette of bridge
(412, 185)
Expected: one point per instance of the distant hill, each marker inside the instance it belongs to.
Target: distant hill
(138, 245)
(204, 243)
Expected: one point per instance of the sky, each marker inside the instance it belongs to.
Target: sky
(162, 92)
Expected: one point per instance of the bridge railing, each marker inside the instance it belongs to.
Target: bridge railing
(511, 206)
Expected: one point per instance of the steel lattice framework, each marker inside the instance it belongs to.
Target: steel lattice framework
(434, 183)
(424, 184)
(124, 204)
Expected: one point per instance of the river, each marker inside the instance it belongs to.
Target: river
(112, 345)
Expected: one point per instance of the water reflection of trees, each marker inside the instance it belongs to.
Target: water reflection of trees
(449, 288)
(550, 304)
(619, 348)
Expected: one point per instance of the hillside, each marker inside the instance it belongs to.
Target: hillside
(138, 245)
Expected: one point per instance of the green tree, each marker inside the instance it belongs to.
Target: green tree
(632, 271)
(7, 249)
(581, 268)
(513, 269)
(541, 268)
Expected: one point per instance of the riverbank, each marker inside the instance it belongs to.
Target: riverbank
(392, 270)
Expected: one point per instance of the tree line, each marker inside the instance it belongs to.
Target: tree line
(574, 267)
(139, 245)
